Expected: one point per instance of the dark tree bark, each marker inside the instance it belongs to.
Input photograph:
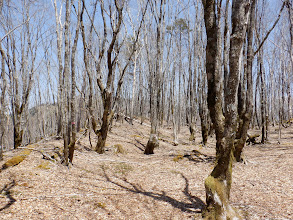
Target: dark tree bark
(218, 184)
(246, 115)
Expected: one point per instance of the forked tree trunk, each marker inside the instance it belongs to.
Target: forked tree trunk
(247, 114)
(110, 97)
(218, 184)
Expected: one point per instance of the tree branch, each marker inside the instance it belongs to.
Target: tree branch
(268, 33)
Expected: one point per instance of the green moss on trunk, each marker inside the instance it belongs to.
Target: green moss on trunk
(217, 195)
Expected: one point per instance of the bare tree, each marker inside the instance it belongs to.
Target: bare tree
(245, 91)
(290, 12)
(3, 87)
(59, 32)
(218, 184)
(245, 99)
(155, 75)
(21, 64)
(109, 95)
(72, 120)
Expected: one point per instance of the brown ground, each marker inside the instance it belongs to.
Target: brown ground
(132, 185)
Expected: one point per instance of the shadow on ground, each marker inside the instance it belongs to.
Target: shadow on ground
(195, 204)
(6, 191)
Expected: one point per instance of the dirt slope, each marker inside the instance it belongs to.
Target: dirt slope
(131, 185)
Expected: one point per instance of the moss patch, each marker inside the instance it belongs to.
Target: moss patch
(12, 162)
(136, 136)
(100, 205)
(25, 152)
(119, 149)
(178, 157)
(16, 159)
(45, 165)
(123, 168)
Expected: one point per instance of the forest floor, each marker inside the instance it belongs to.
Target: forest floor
(131, 185)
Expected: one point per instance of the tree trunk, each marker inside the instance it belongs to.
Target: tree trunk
(65, 95)
(262, 100)
(18, 132)
(247, 114)
(3, 87)
(60, 70)
(218, 184)
(106, 119)
(133, 86)
(154, 84)
(173, 107)
(203, 114)
(72, 120)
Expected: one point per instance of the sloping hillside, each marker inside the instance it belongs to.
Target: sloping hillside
(126, 184)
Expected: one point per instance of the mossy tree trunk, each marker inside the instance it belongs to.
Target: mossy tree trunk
(218, 184)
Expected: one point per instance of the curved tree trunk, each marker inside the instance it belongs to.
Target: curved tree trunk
(247, 114)
(218, 184)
